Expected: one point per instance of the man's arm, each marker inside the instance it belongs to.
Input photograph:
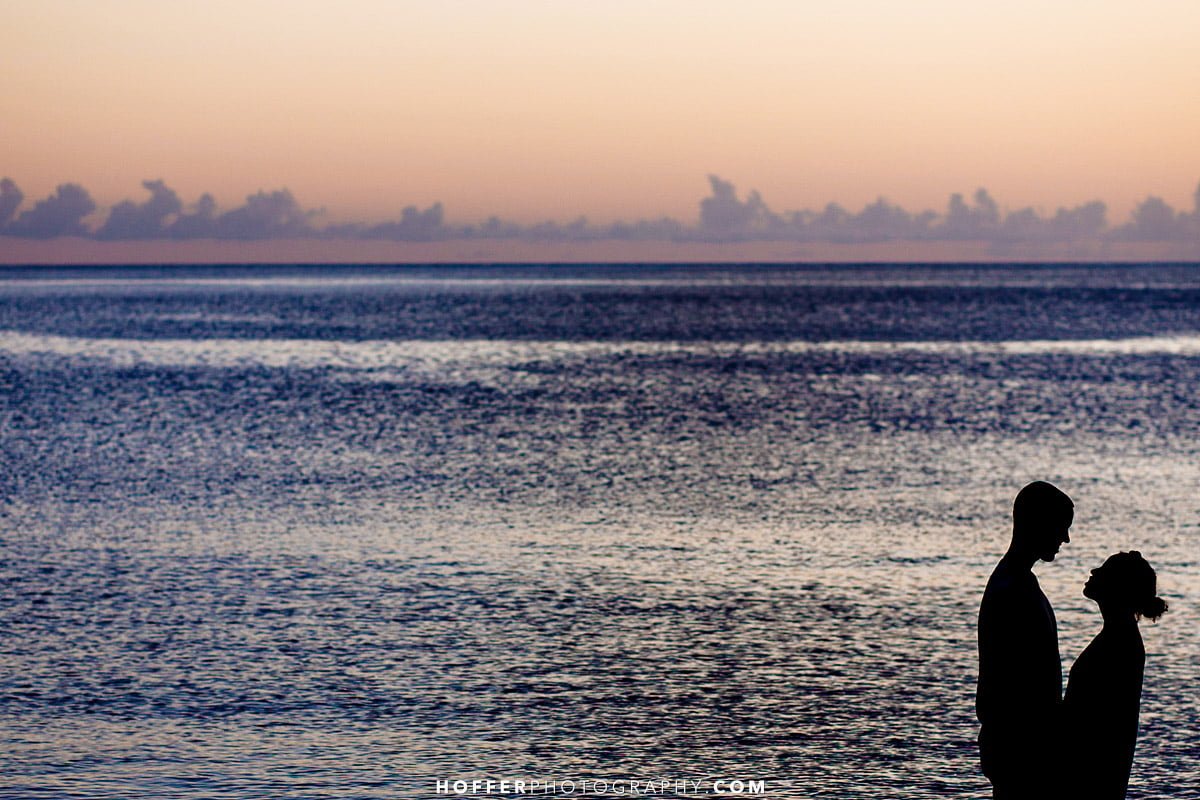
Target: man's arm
(1020, 676)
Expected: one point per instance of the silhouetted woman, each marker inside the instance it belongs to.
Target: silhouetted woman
(1105, 686)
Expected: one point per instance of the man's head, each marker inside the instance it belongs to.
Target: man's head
(1042, 517)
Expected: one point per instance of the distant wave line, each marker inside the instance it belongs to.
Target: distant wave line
(797, 280)
(438, 356)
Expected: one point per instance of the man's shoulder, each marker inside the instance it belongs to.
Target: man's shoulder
(1006, 576)
(1008, 584)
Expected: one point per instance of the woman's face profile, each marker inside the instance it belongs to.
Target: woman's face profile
(1114, 582)
(1093, 587)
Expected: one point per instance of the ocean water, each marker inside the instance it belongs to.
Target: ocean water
(345, 532)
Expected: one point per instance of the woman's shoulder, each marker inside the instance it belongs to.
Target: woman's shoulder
(1111, 656)
(1127, 641)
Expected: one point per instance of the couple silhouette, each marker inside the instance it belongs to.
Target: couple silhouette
(1033, 742)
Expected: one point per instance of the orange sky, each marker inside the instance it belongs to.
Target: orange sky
(614, 109)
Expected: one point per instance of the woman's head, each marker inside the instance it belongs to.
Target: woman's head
(1126, 582)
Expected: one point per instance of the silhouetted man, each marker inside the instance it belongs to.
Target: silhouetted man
(1020, 672)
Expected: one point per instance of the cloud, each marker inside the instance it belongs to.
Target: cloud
(60, 214)
(579, 230)
(129, 220)
(414, 225)
(964, 222)
(880, 221)
(724, 216)
(200, 224)
(266, 215)
(1081, 223)
(10, 200)
(496, 228)
(661, 229)
(1155, 221)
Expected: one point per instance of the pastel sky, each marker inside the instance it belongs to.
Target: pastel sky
(540, 109)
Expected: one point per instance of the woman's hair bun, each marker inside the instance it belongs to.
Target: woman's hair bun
(1153, 608)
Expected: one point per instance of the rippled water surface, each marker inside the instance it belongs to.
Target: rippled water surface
(338, 532)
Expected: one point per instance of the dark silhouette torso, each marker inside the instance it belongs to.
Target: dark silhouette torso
(1020, 683)
(1101, 708)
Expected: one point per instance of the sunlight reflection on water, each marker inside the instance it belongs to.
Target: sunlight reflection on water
(283, 565)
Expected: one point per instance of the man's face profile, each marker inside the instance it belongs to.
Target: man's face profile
(1051, 533)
